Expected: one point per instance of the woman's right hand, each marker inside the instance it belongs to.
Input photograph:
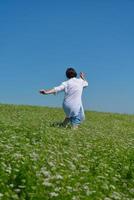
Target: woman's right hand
(43, 92)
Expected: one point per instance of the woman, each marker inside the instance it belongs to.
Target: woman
(72, 103)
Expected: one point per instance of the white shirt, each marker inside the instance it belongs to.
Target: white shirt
(73, 92)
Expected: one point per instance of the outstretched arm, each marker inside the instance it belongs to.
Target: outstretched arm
(51, 91)
(82, 76)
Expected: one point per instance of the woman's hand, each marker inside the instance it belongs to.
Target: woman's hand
(43, 92)
(82, 75)
(51, 91)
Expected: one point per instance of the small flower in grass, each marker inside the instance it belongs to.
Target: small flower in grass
(69, 188)
(11, 185)
(51, 164)
(131, 190)
(88, 193)
(34, 156)
(57, 189)
(62, 165)
(53, 194)
(18, 155)
(47, 184)
(8, 169)
(116, 196)
(1, 195)
(58, 177)
(75, 198)
(45, 173)
(72, 166)
(86, 188)
(21, 186)
(15, 196)
(17, 190)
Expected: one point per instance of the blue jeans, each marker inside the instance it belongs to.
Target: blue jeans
(76, 120)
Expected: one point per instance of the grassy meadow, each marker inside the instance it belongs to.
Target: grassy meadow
(41, 161)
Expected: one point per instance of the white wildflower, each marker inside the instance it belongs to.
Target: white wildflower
(69, 188)
(8, 170)
(57, 189)
(72, 166)
(58, 177)
(75, 198)
(86, 187)
(54, 194)
(15, 196)
(17, 190)
(34, 156)
(46, 173)
(51, 164)
(116, 196)
(18, 155)
(11, 185)
(21, 186)
(132, 190)
(1, 195)
(47, 184)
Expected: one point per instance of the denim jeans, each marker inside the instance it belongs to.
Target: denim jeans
(76, 120)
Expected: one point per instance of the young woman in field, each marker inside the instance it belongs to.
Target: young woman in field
(72, 103)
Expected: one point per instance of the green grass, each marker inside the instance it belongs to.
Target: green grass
(39, 161)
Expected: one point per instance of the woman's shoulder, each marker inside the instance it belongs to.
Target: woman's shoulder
(65, 83)
(72, 80)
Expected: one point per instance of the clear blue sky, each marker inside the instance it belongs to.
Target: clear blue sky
(40, 39)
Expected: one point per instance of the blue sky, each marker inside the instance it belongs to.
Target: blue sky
(40, 39)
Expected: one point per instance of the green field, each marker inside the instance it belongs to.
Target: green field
(41, 161)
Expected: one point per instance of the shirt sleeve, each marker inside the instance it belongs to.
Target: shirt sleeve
(84, 83)
(60, 88)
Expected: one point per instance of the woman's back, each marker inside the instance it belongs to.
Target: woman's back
(73, 90)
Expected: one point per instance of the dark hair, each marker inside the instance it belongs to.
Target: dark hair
(71, 73)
